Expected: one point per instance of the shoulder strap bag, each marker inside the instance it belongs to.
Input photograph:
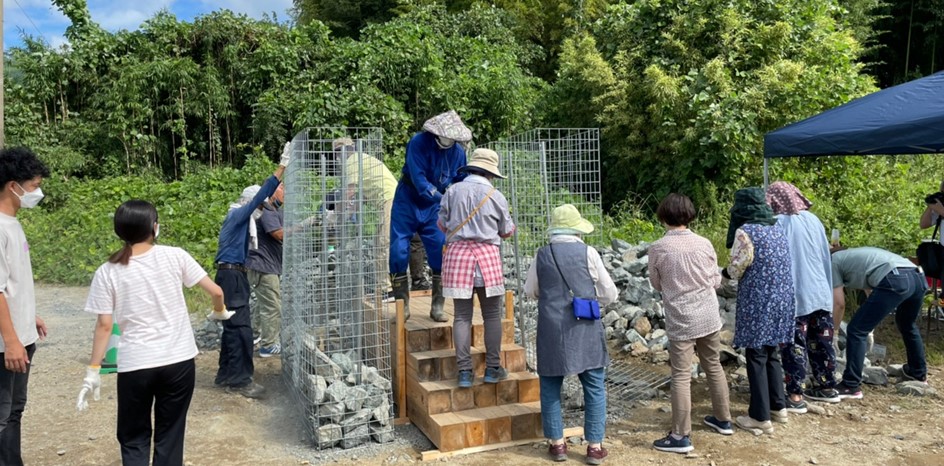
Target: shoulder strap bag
(588, 309)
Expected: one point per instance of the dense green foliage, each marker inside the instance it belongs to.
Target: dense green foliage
(71, 233)
(701, 83)
(175, 96)
(187, 113)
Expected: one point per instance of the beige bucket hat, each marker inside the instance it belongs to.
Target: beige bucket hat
(485, 159)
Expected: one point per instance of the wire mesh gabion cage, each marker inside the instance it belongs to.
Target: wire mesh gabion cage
(335, 342)
(545, 168)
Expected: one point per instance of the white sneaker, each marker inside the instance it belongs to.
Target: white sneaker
(779, 416)
(754, 426)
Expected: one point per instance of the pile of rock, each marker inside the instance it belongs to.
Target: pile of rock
(349, 402)
(637, 320)
(207, 333)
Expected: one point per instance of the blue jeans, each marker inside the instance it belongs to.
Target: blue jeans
(902, 291)
(594, 400)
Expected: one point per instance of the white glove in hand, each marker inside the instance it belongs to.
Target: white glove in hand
(225, 314)
(286, 155)
(92, 383)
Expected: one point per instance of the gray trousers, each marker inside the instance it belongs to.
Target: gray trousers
(462, 330)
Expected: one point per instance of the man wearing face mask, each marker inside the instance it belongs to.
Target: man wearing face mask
(265, 268)
(21, 173)
(433, 160)
(237, 235)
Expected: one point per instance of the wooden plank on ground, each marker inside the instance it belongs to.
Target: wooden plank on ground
(434, 455)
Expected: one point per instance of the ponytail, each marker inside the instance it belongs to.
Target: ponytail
(122, 256)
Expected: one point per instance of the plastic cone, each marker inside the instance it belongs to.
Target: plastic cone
(110, 364)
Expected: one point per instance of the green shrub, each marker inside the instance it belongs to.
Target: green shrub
(72, 233)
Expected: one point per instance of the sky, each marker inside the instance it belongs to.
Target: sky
(40, 18)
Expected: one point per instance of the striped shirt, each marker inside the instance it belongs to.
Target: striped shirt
(147, 300)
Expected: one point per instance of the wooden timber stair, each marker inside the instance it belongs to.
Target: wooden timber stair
(456, 418)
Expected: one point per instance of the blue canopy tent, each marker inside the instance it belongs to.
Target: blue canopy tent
(904, 119)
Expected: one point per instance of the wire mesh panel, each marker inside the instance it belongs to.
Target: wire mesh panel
(545, 168)
(335, 343)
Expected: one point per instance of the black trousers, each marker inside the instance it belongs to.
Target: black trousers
(12, 401)
(236, 366)
(169, 389)
(765, 376)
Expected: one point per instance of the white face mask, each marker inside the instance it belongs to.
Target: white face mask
(444, 143)
(157, 230)
(29, 199)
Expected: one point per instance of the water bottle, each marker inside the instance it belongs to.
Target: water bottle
(834, 239)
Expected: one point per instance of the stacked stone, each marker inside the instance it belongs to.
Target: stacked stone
(349, 401)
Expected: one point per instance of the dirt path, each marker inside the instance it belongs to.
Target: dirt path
(226, 429)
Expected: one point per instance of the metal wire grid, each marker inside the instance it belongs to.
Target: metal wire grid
(335, 341)
(545, 168)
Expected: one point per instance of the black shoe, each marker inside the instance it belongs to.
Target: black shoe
(849, 393)
(250, 390)
(826, 395)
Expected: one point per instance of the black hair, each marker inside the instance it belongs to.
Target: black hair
(676, 210)
(20, 164)
(134, 223)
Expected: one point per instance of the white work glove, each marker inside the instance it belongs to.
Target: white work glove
(330, 218)
(92, 383)
(286, 155)
(225, 314)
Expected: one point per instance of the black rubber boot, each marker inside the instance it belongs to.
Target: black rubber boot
(436, 311)
(401, 291)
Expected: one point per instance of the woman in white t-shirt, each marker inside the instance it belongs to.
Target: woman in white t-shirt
(141, 288)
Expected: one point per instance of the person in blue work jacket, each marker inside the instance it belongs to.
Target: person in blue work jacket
(433, 160)
(237, 235)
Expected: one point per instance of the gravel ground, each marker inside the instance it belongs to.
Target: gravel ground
(223, 428)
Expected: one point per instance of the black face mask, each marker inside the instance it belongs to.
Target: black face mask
(276, 203)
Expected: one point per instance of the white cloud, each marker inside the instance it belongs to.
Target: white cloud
(252, 8)
(113, 15)
(122, 14)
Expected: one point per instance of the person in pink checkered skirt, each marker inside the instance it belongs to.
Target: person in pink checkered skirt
(475, 217)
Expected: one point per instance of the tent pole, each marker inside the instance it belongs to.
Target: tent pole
(766, 180)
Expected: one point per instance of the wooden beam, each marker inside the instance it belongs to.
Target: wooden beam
(401, 360)
(509, 304)
(434, 455)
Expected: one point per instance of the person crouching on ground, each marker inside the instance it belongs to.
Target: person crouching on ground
(898, 287)
(684, 268)
(474, 216)
(812, 283)
(564, 269)
(237, 235)
(141, 288)
(760, 259)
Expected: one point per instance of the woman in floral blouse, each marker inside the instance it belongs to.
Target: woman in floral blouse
(760, 259)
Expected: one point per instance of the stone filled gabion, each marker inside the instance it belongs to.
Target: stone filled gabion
(348, 401)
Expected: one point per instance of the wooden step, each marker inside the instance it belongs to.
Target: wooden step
(430, 336)
(480, 426)
(445, 396)
(427, 366)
